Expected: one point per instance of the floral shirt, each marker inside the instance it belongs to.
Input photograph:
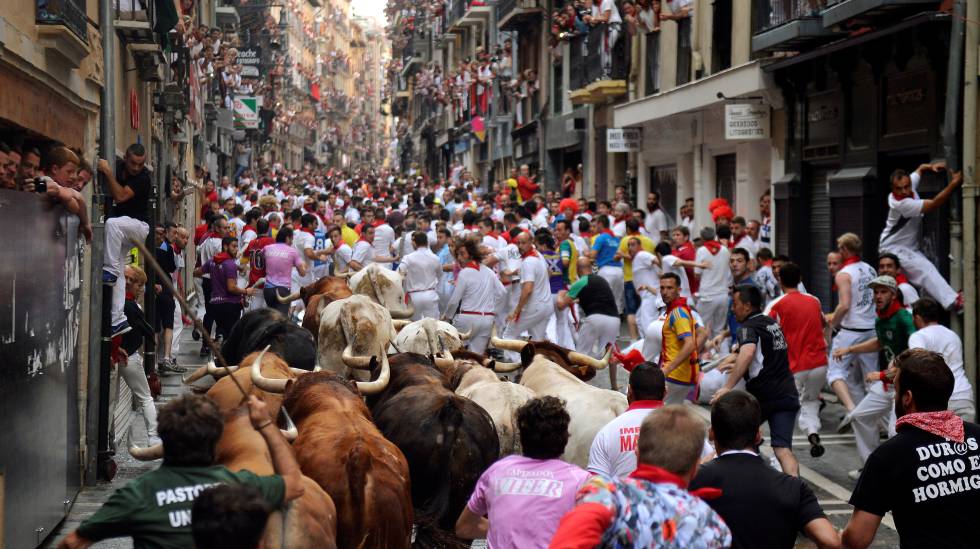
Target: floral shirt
(636, 512)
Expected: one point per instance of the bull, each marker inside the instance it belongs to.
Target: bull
(316, 296)
(342, 450)
(351, 331)
(257, 330)
(310, 520)
(448, 440)
(429, 336)
(384, 286)
(475, 377)
(553, 370)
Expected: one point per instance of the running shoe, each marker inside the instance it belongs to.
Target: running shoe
(816, 449)
(205, 351)
(120, 329)
(855, 474)
(167, 366)
(845, 424)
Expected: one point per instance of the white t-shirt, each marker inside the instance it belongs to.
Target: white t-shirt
(362, 253)
(716, 280)
(476, 290)
(655, 223)
(533, 269)
(421, 270)
(301, 241)
(646, 272)
(610, 5)
(341, 257)
(384, 239)
(669, 265)
(942, 340)
(613, 451)
(903, 226)
(747, 244)
(909, 294)
(861, 315)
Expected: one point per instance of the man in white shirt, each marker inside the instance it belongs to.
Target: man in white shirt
(902, 235)
(420, 272)
(712, 296)
(889, 264)
(607, 13)
(932, 336)
(490, 240)
(341, 252)
(305, 243)
(656, 220)
(646, 281)
(534, 304)
(363, 252)
(384, 239)
(741, 238)
(670, 263)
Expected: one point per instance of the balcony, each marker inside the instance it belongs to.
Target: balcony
(589, 82)
(867, 12)
(62, 29)
(467, 13)
(133, 21)
(514, 13)
(788, 25)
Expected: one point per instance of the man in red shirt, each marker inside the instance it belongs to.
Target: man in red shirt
(804, 326)
(256, 261)
(680, 236)
(525, 185)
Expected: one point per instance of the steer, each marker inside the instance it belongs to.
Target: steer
(553, 370)
(384, 286)
(448, 440)
(310, 520)
(476, 379)
(351, 331)
(342, 450)
(335, 285)
(429, 336)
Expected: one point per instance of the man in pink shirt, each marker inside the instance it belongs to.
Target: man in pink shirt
(280, 258)
(519, 500)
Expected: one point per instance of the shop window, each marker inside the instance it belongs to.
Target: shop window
(725, 177)
(663, 179)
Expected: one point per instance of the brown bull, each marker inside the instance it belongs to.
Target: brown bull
(333, 285)
(315, 305)
(339, 447)
(448, 440)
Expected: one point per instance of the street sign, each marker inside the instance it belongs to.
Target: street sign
(622, 140)
(247, 112)
(250, 59)
(746, 122)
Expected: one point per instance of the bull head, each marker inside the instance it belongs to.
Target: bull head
(266, 384)
(403, 311)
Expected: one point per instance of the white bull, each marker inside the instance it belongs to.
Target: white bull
(590, 408)
(352, 331)
(384, 286)
(429, 336)
(500, 399)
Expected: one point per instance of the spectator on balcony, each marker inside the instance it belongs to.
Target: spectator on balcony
(606, 14)
(683, 9)
(648, 15)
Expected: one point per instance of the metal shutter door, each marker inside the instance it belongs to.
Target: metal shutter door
(817, 280)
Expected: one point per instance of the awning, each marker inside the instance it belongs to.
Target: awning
(746, 79)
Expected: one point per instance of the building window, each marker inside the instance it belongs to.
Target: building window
(721, 35)
(725, 177)
(663, 179)
(652, 84)
(684, 51)
(556, 101)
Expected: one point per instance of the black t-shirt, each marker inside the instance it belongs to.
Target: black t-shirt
(762, 506)
(136, 207)
(768, 377)
(596, 297)
(931, 486)
(168, 262)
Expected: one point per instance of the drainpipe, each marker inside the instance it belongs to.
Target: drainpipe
(970, 191)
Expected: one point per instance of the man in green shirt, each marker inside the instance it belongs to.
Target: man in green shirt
(599, 324)
(155, 509)
(893, 327)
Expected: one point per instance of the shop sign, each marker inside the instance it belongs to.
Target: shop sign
(249, 59)
(622, 140)
(746, 122)
(247, 112)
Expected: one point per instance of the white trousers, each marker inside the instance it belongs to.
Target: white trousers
(563, 332)
(711, 381)
(199, 292)
(924, 274)
(134, 376)
(595, 332)
(842, 369)
(506, 303)
(426, 303)
(120, 235)
(178, 329)
(808, 384)
(534, 321)
(714, 311)
(676, 393)
(964, 408)
(480, 326)
(648, 311)
(614, 276)
(878, 404)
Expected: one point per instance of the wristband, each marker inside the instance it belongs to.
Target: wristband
(264, 425)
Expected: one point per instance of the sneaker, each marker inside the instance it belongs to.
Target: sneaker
(120, 329)
(855, 474)
(170, 367)
(109, 279)
(816, 449)
(195, 335)
(845, 424)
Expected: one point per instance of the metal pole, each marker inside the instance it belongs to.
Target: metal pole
(970, 190)
(96, 416)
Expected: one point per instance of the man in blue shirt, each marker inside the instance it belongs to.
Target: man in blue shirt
(604, 248)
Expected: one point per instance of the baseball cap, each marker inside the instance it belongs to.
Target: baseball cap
(884, 281)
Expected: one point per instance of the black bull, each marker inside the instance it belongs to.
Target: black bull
(448, 440)
(262, 327)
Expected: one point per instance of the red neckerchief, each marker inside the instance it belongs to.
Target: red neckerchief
(891, 310)
(248, 228)
(767, 263)
(712, 245)
(585, 235)
(850, 261)
(469, 227)
(645, 405)
(472, 265)
(944, 424)
(531, 253)
(900, 197)
(377, 223)
(221, 257)
(609, 232)
(901, 279)
(679, 302)
(130, 297)
(656, 475)
(494, 234)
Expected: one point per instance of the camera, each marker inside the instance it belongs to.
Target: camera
(40, 185)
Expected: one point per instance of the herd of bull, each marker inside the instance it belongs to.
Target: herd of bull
(392, 422)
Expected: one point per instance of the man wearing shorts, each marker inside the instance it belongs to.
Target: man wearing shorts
(763, 361)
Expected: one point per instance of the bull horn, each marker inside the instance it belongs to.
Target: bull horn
(345, 274)
(288, 299)
(299, 371)
(465, 335)
(352, 361)
(290, 434)
(378, 385)
(195, 375)
(506, 344)
(586, 360)
(259, 282)
(149, 453)
(506, 367)
(445, 361)
(405, 312)
(217, 372)
(266, 384)
(399, 324)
